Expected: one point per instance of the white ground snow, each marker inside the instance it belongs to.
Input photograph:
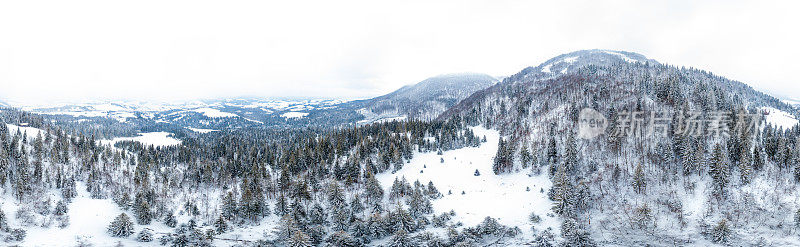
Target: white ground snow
(623, 56)
(371, 117)
(382, 120)
(78, 113)
(294, 114)
(109, 110)
(149, 138)
(791, 102)
(503, 197)
(546, 68)
(31, 131)
(570, 59)
(779, 118)
(214, 113)
(202, 131)
(88, 219)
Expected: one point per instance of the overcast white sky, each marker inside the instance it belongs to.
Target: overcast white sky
(175, 50)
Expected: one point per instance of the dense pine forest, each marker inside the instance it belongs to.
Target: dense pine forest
(321, 182)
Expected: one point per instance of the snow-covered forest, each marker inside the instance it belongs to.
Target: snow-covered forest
(502, 165)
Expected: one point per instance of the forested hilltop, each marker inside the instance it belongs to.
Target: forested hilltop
(507, 166)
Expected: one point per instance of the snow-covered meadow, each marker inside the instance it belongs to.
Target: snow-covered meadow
(510, 198)
(149, 138)
(779, 118)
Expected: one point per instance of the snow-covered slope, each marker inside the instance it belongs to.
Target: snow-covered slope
(685, 195)
(172, 112)
(430, 97)
(570, 62)
(202, 131)
(151, 138)
(214, 113)
(779, 118)
(294, 114)
(88, 221)
(510, 198)
(425, 100)
(30, 131)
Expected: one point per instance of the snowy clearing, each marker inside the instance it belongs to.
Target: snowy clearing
(294, 114)
(201, 131)
(504, 197)
(382, 120)
(546, 68)
(150, 138)
(214, 113)
(570, 59)
(31, 131)
(88, 220)
(623, 56)
(779, 118)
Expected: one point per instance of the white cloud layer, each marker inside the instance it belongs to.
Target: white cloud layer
(55, 50)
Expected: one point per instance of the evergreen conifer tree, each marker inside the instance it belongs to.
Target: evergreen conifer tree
(121, 226)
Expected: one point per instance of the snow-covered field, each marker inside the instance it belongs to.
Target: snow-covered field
(201, 131)
(623, 56)
(150, 138)
(779, 118)
(546, 68)
(382, 120)
(31, 131)
(294, 114)
(214, 113)
(88, 221)
(504, 197)
(371, 117)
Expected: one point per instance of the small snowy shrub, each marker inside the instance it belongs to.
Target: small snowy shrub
(170, 220)
(42, 206)
(121, 226)
(82, 241)
(544, 239)
(16, 235)
(25, 216)
(165, 239)
(146, 235)
(533, 218)
(643, 218)
(341, 238)
(3, 222)
(123, 200)
(60, 209)
(575, 234)
(429, 239)
(401, 239)
(796, 218)
(210, 234)
(441, 220)
(721, 232)
(221, 225)
(62, 221)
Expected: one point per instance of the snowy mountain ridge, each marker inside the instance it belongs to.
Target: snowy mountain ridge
(655, 190)
(426, 99)
(430, 97)
(569, 62)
